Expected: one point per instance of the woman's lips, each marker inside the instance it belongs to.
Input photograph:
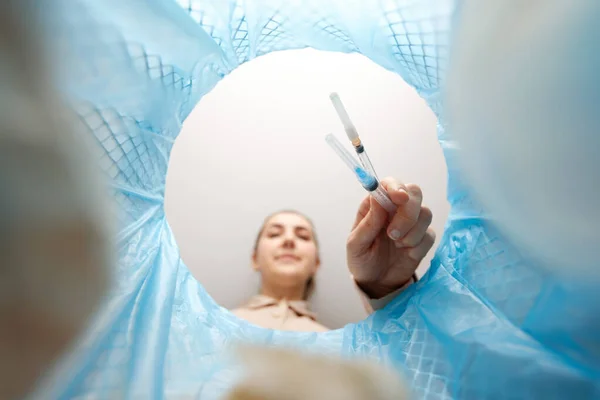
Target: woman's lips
(287, 257)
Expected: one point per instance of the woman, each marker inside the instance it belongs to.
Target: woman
(382, 254)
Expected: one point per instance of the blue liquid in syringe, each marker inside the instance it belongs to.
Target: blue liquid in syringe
(366, 179)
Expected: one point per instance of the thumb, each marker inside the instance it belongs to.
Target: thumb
(367, 230)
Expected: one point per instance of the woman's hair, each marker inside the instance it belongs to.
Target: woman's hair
(310, 283)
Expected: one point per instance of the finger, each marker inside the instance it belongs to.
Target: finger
(417, 233)
(366, 231)
(419, 252)
(363, 209)
(395, 190)
(407, 215)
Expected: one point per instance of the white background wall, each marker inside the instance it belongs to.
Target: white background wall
(255, 145)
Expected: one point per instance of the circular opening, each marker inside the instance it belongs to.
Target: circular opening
(255, 144)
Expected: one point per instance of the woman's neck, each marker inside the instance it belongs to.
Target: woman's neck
(280, 293)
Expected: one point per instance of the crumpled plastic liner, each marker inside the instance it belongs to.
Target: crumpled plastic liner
(483, 323)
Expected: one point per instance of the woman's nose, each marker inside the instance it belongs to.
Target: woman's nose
(289, 242)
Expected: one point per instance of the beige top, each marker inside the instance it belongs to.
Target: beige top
(279, 314)
(287, 315)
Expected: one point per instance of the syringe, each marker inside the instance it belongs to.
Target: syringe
(368, 181)
(352, 134)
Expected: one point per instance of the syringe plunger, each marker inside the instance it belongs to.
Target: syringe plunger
(344, 117)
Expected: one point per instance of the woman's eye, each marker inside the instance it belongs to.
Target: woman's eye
(272, 234)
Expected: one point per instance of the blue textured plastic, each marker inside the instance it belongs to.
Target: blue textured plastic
(483, 323)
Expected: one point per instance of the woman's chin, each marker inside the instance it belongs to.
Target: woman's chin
(290, 272)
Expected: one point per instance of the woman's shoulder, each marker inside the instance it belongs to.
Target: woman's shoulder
(305, 324)
(320, 328)
(240, 311)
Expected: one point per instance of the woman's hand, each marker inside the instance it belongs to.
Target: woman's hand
(384, 251)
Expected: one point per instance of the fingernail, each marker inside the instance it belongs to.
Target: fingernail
(394, 234)
(399, 245)
(401, 190)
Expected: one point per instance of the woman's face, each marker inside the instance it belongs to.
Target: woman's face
(286, 253)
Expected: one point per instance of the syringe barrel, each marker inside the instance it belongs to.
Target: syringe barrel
(384, 200)
(366, 162)
(342, 152)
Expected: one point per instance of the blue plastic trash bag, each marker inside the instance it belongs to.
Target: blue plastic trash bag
(484, 323)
